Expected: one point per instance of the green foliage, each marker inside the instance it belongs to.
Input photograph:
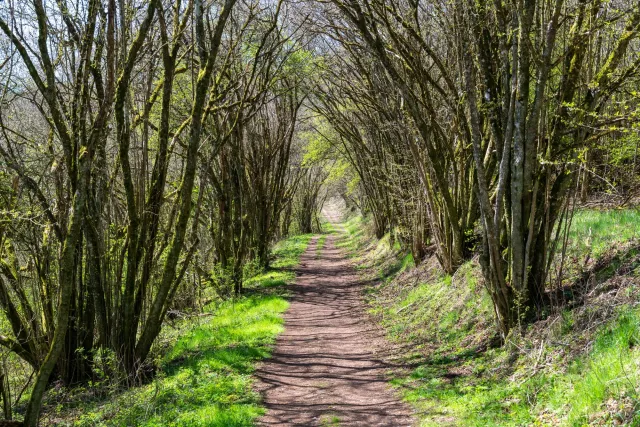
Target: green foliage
(251, 269)
(317, 142)
(319, 147)
(623, 151)
(221, 280)
(327, 227)
(302, 64)
(288, 251)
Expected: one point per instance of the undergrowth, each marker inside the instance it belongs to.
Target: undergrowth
(579, 366)
(204, 379)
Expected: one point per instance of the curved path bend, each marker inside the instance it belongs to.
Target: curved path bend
(327, 367)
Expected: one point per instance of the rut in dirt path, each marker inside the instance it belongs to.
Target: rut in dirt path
(327, 367)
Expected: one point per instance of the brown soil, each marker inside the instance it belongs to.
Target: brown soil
(328, 365)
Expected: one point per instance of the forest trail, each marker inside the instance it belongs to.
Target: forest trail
(327, 367)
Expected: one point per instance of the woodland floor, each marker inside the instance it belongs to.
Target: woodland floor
(328, 367)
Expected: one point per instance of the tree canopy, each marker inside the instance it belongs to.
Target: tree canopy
(150, 150)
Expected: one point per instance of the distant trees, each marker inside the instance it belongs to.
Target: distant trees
(497, 104)
(138, 141)
(309, 198)
(415, 104)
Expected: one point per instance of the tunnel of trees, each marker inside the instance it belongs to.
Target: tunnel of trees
(149, 149)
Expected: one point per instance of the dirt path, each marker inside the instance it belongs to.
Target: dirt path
(327, 368)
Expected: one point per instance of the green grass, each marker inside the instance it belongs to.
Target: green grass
(446, 321)
(330, 421)
(288, 251)
(611, 370)
(455, 384)
(595, 231)
(352, 234)
(608, 374)
(205, 377)
(453, 307)
(327, 226)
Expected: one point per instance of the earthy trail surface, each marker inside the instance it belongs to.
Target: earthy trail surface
(327, 367)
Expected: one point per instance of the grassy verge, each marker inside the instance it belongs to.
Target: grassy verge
(205, 377)
(580, 366)
(539, 385)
